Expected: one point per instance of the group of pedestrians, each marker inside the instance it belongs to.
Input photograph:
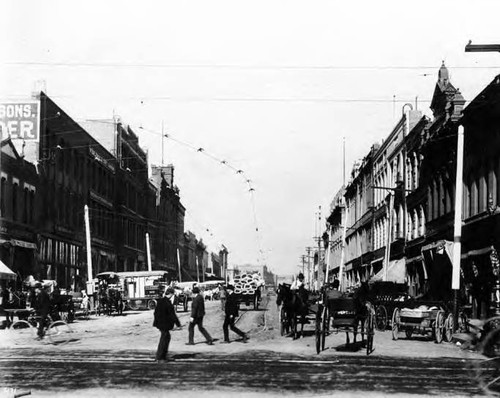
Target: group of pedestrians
(165, 318)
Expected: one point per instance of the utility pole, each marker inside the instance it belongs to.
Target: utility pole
(90, 285)
(148, 252)
(309, 248)
(303, 257)
(179, 263)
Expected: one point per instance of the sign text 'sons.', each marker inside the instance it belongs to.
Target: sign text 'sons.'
(20, 120)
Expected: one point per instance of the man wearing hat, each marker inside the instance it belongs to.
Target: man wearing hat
(197, 314)
(165, 319)
(231, 314)
(42, 307)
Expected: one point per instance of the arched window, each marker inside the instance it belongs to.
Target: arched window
(422, 221)
(415, 171)
(32, 207)
(474, 198)
(25, 205)
(436, 197)
(409, 227)
(415, 231)
(15, 199)
(482, 191)
(430, 200)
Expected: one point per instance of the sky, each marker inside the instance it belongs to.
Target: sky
(272, 87)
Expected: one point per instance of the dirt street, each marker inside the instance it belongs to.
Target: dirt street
(134, 331)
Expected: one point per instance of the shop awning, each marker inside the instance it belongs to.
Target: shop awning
(6, 273)
(396, 272)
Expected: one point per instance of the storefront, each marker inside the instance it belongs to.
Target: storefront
(60, 261)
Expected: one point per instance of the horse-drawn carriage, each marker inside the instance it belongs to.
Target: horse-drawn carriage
(109, 294)
(340, 312)
(385, 298)
(296, 307)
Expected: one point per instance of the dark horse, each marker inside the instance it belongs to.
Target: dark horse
(110, 300)
(361, 297)
(294, 306)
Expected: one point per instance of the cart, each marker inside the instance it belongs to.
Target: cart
(347, 314)
(424, 318)
(248, 299)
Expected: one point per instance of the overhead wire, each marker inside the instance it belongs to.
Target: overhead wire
(237, 66)
(225, 163)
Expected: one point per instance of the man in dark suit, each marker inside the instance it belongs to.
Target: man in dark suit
(165, 319)
(231, 314)
(197, 314)
(42, 307)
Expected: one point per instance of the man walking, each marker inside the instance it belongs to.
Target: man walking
(197, 314)
(231, 314)
(42, 307)
(165, 319)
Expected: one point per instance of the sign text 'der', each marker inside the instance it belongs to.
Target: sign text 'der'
(19, 120)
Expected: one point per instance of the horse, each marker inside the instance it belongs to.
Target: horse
(115, 301)
(294, 305)
(110, 300)
(362, 307)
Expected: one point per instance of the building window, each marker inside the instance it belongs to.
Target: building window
(2, 196)
(474, 199)
(26, 205)
(422, 222)
(483, 194)
(15, 200)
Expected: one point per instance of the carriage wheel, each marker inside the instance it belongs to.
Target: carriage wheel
(449, 325)
(326, 319)
(370, 331)
(283, 322)
(59, 332)
(488, 370)
(21, 331)
(409, 332)
(381, 318)
(151, 304)
(439, 327)
(319, 332)
(396, 319)
(133, 305)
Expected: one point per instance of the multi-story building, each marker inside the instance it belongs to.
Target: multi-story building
(335, 228)
(74, 170)
(359, 219)
(169, 220)
(19, 197)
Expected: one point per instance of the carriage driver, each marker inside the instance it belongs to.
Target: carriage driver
(298, 283)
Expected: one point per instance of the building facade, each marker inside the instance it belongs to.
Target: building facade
(19, 197)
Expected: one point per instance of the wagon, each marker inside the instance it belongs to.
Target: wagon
(424, 318)
(253, 298)
(385, 298)
(346, 313)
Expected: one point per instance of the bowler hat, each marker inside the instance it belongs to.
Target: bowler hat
(230, 287)
(196, 289)
(38, 285)
(170, 290)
